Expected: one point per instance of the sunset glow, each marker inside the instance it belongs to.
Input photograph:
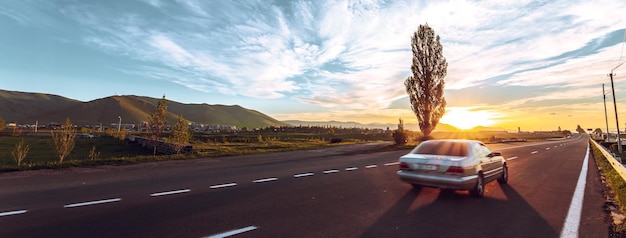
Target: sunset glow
(468, 117)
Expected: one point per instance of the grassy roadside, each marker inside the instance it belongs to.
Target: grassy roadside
(616, 189)
(113, 151)
(119, 152)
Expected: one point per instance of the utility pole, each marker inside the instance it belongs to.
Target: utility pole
(619, 142)
(606, 118)
(119, 124)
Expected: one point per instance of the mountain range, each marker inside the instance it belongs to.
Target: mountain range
(27, 108)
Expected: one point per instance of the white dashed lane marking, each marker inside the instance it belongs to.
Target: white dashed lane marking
(223, 185)
(512, 158)
(217, 186)
(534, 152)
(303, 175)
(265, 180)
(12, 213)
(233, 232)
(93, 203)
(170, 192)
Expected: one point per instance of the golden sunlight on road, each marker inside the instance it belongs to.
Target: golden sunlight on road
(466, 118)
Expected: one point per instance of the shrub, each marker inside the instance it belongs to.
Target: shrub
(20, 152)
(93, 154)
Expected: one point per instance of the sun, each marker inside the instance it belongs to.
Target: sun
(466, 118)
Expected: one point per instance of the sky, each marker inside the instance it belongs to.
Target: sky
(532, 65)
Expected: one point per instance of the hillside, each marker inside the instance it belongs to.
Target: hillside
(19, 106)
(26, 108)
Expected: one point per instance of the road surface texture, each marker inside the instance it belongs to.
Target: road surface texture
(346, 191)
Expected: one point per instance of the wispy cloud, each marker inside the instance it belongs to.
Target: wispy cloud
(349, 55)
(270, 51)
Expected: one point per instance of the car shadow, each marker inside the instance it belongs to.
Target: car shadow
(456, 214)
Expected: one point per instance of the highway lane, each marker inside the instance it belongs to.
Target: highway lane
(334, 193)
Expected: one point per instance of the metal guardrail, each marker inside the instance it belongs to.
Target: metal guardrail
(617, 165)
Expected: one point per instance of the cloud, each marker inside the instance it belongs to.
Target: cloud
(583, 71)
(577, 93)
(26, 14)
(351, 55)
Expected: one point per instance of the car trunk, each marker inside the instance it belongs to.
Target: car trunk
(432, 164)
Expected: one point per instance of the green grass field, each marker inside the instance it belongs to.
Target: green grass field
(114, 151)
(41, 151)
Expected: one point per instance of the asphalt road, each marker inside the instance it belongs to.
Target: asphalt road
(340, 192)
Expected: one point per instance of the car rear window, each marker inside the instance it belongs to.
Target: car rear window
(448, 148)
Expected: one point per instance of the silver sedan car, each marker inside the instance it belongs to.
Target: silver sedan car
(453, 164)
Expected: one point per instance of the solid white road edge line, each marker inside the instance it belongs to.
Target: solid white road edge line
(12, 213)
(371, 166)
(512, 158)
(264, 180)
(170, 192)
(233, 232)
(303, 175)
(331, 171)
(572, 221)
(223, 185)
(92, 203)
(393, 163)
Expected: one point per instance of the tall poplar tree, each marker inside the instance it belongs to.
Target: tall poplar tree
(425, 86)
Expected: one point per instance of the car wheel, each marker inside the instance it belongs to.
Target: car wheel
(415, 186)
(479, 190)
(505, 175)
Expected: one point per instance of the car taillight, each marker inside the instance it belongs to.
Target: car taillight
(455, 169)
(404, 166)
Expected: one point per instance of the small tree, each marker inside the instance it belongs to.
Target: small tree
(597, 131)
(157, 120)
(580, 130)
(93, 154)
(20, 152)
(180, 134)
(121, 135)
(425, 86)
(400, 137)
(64, 139)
